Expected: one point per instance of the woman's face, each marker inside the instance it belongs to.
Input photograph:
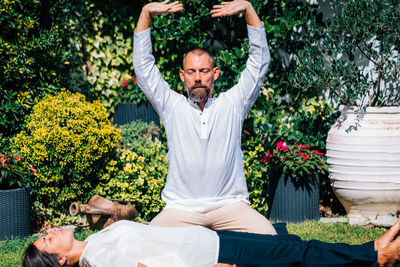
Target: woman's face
(57, 241)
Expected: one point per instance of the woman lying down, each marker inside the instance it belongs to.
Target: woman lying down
(126, 243)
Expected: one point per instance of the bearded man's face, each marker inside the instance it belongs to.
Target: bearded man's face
(198, 76)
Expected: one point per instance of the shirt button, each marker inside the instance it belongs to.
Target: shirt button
(201, 113)
(204, 123)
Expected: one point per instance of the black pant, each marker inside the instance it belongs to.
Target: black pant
(245, 249)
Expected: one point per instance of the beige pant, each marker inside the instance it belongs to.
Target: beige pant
(236, 217)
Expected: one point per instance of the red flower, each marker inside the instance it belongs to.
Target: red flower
(135, 80)
(318, 153)
(301, 147)
(32, 169)
(124, 83)
(18, 158)
(301, 154)
(281, 145)
(265, 159)
(307, 146)
(3, 160)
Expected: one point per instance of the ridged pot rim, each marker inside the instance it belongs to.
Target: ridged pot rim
(370, 110)
(14, 189)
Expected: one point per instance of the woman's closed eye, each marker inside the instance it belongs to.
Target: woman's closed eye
(47, 240)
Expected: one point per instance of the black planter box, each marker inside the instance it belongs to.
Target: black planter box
(293, 200)
(128, 112)
(14, 213)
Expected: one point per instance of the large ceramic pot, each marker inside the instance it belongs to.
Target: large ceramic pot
(14, 213)
(363, 151)
(293, 200)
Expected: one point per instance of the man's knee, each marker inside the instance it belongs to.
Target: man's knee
(174, 218)
(165, 218)
(241, 217)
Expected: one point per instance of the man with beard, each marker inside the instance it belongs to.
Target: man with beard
(206, 183)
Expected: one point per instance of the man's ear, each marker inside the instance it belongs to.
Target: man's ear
(182, 75)
(216, 73)
(62, 260)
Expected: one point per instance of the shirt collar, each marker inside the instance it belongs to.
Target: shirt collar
(208, 103)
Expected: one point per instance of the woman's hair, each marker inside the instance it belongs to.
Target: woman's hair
(36, 258)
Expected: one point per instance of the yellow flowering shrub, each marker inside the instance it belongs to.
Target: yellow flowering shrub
(256, 175)
(138, 175)
(69, 141)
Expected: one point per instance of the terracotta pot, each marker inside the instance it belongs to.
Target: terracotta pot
(363, 151)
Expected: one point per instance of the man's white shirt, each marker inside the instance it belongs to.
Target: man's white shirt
(205, 156)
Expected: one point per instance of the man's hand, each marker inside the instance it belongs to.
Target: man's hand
(155, 8)
(230, 8)
(237, 7)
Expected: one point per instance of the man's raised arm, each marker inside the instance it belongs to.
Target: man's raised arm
(155, 8)
(245, 92)
(148, 76)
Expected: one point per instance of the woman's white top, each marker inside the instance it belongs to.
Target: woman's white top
(126, 243)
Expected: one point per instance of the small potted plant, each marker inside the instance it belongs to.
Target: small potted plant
(294, 182)
(14, 196)
(14, 171)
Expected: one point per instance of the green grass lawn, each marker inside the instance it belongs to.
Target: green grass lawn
(11, 251)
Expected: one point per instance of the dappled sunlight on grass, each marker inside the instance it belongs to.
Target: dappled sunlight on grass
(335, 232)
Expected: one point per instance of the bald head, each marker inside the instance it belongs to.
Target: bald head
(198, 52)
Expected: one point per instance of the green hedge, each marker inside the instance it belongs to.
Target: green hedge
(101, 44)
(32, 58)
